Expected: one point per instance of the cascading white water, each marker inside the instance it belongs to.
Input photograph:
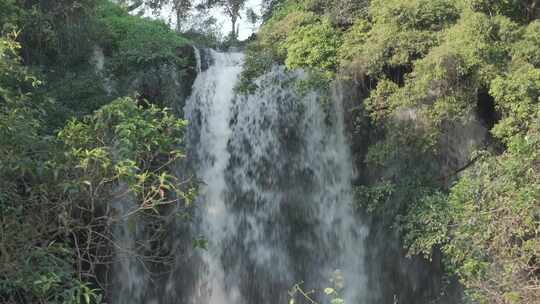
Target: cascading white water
(212, 101)
(275, 206)
(130, 276)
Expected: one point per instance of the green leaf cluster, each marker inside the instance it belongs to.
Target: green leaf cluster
(313, 46)
(57, 187)
(138, 42)
(494, 225)
(128, 143)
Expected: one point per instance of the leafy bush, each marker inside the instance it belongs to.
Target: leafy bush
(313, 46)
(415, 15)
(34, 267)
(138, 43)
(9, 12)
(59, 33)
(258, 60)
(55, 189)
(427, 224)
(67, 188)
(515, 9)
(46, 275)
(526, 49)
(353, 41)
(271, 43)
(133, 142)
(379, 104)
(517, 96)
(339, 12)
(444, 84)
(274, 35)
(398, 34)
(494, 243)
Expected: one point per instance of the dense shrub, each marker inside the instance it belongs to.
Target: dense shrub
(517, 96)
(415, 15)
(526, 49)
(56, 188)
(494, 246)
(314, 46)
(138, 43)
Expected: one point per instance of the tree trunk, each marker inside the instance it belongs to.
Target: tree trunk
(178, 20)
(533, 10)
(234, 34)
(135, 5)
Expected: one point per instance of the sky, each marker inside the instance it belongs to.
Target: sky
(245, 28)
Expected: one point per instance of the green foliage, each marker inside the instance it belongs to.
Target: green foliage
(406, 166)
(125, 142)
(258, 61)
(139, 43)
(416, 14)
(517, 96)
(58, 41)
(444, 84)
(339, 12)
(526, 49)
(77, 92)
(135, 49)
(57, 32)
(375, 196)
(33, 267)
(494, 243)
(471, 225)
(515, 9)
(67, 183)
(314, 46)
(274, 35)
(271, 45)
(379, 105)
(46, 274)
(353, 41)
(8, 15)
(55, 188)
(400, 32)
(20, 116)
(427, 224)
(296, 36)
(481, 45)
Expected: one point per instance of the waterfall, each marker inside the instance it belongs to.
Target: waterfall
(211, 105)
(275, 203)
(130, 277)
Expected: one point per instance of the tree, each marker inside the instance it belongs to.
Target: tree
(252, 17)
(181, 8)
(269, 7)
(232, 9)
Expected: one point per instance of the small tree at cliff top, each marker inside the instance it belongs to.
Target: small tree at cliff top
(232, 9)
(181, 8)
